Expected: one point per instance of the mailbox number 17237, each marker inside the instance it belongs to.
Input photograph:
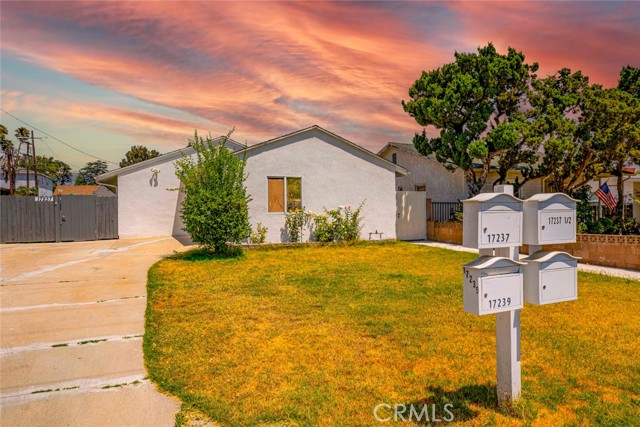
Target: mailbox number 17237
(498, 238)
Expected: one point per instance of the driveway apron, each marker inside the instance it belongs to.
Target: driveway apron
(71, 326)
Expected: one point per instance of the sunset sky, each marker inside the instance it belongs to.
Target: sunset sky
(102, 76)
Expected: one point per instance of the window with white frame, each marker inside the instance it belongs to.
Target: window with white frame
(284, 192)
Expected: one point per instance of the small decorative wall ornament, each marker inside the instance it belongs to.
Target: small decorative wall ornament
(155, 171)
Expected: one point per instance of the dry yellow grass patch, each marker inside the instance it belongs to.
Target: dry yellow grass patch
(320, 335)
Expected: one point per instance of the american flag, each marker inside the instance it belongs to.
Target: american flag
(605, 195)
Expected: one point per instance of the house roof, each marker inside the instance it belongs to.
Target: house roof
(179, 153)
(80, 190)
(20, 171)
(409, 148)
(171, 155)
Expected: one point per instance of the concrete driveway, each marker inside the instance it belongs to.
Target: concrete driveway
(71, 326)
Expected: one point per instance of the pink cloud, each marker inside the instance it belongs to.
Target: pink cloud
(281, 50)
(270, 68)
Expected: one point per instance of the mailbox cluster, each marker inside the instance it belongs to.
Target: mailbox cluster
(499, 220)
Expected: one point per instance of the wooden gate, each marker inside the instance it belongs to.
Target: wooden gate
(26, 219)
(411, 218)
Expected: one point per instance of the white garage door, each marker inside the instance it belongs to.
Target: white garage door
(411, 218)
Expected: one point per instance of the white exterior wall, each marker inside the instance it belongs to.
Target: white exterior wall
(145, 206)
(441, 185)
(332, 173)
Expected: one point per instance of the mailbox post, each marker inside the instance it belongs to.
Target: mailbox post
(493, 222)
(496, 282)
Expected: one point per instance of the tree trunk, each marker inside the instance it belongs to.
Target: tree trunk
(475, 183)
(620, 187)
(472, 185)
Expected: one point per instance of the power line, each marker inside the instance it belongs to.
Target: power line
(49, 147)
(57, 139)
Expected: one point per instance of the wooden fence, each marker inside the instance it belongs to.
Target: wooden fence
(27, 219)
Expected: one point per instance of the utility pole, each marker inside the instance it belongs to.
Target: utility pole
(26, 164)
(35, 162)
(11, 173)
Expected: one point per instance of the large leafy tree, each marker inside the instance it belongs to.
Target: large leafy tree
(612, 117)
(570, 157)
(630, 80)
(87, 175)
(616, 126)
(215, 207)
(137, 154)
(57, 170)
(476, 103)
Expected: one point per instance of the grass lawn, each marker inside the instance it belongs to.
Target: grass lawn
(320, 335)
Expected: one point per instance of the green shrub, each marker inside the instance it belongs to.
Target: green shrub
(614, 223)
(337, 225)
(214, 210)
(24, 191)
(294, 223)
(259, 235)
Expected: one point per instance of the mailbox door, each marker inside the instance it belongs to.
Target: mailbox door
(557, 226)
(500, 229)
(501, 293)
(558, 285)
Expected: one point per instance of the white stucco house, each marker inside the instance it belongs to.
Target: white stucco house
(330, 171)
(425, 174)
(45, 184)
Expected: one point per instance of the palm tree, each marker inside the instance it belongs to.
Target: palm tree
(8, 161)
(22, 134)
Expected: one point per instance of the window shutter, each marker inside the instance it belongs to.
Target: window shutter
(276, 194)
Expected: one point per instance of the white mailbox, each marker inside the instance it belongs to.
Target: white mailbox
(492, 220)
(550, 277)
(549, 219)
(492, 285)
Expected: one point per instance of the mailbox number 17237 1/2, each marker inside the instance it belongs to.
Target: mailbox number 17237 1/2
(553, 220)
(499, 302)
(498, 238)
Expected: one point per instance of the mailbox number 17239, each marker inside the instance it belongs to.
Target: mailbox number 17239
(498, 238)
(500, 302)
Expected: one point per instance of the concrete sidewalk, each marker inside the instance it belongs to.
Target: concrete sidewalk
(609, 271)
(71, 326)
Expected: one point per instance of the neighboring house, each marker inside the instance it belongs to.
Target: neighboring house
(329, 170)
(83, 190)
(425, 174)
(631, 188)
(441, 185)
(45, 184)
